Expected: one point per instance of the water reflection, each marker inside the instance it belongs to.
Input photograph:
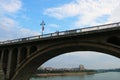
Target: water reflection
(98, 76)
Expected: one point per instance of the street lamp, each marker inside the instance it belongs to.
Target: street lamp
(42, 24)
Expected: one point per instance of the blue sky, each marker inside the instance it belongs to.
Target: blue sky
(22, 18)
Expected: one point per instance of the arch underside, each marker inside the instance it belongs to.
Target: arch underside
(53, 50)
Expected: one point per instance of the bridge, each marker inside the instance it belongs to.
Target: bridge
(20, 58)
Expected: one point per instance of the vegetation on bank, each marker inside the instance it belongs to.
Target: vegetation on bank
(62, 71)
(65, 72)
(44, 73)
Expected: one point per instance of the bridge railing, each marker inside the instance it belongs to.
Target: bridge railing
(62, 33)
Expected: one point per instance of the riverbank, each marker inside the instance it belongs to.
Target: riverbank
(101, 76)
(63, 74)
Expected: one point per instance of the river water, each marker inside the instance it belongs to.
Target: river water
(98, 76)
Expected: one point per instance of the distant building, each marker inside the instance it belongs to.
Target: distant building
(81, 67)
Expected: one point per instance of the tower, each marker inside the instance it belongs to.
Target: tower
(81, 67)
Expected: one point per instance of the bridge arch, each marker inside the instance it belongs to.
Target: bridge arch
(5, 61)
(114, 40)
(14, 56)
(23, 54)
(0, 54)
(59, 48)
(33, 49)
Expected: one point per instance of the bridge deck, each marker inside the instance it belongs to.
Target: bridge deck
(63, 33)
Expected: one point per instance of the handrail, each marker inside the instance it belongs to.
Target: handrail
(62, 33)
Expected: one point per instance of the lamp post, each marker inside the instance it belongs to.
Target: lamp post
(42, 24)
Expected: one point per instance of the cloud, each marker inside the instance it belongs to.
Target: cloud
(7, 23)
(87, 11)
(54, 25)
(10, 6)
(64, 11)
(9, 26)
(114, 17)
(10, 29)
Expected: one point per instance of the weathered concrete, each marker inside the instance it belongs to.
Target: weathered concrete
(1, 73)
(20, 60)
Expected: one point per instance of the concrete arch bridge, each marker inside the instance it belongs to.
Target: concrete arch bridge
(20, 58)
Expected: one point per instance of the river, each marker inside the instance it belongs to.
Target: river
(97, 76)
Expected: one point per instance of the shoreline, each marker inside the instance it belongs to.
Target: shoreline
(63, 74)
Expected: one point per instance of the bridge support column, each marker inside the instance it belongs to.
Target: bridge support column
(28, 52)
(12, 63)
(18, 59)
(8, 76)
(22, 55)
(1, 70)
(4, 61)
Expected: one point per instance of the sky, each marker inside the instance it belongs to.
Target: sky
(90, 60)
(22, 18)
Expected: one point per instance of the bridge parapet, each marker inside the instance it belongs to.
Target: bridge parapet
(62, 33)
